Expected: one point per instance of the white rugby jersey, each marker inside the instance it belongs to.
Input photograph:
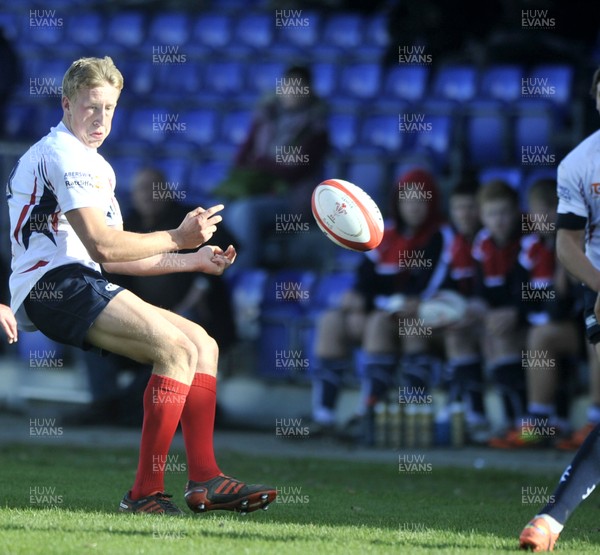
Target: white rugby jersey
(57, 174)
(578, 187)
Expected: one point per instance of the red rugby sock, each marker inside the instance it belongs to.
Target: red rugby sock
(164, 399)
(197, 423)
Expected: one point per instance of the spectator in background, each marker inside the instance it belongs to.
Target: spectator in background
(11, 76)
(278, 164)
(370, 316)
(462, 340)
(550, 302)
(201, 298)
(500, 278)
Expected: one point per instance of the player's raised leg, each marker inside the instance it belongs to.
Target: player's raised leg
(128, 326)
(208, 488)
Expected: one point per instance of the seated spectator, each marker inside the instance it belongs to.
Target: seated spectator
(367, 317)
(500, 277)
(464, 364)
(550, 300)
(278, 165)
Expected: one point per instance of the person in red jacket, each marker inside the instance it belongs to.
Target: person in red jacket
(411, 261)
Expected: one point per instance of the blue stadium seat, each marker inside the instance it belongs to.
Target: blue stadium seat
(371, 176)
(382, 131)
(437, 142)
(407, 83)
(554, 82)
(224, 78)
(280, 345)
(11, 26)
(235, 126)
(255, 30)
(328, 293)
(262, 76)
(48, 116)
(46, 36)
(502, 82)
(456, 82)
(347, 260)
(303, 36)
(202, 126)
(511, 174)
(344, 30)
(287, 297)
(119, 129)
(174, 81)
(140, 77)
(360, 80)
(42, 79)
(487, 139)
(213, 30)
(533, 135)
(376, 30)
(86, 28)
(176, 172)
(20, 121)
(127, 29)
(325, 79)
(333, 167)
(288, 287)
(247, 288)
(148, 125)
(236, 6)
(343, 131)
(169, 29)
(203, 178)
(125, 168)
(329, 290)
(34, 347)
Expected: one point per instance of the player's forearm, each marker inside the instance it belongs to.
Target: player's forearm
(114, 246)
(571, 255)
(158, 264)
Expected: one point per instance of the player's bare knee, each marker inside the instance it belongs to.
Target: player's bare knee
(208, 355)
(180, 354)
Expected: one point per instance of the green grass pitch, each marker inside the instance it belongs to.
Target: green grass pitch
(63, 500)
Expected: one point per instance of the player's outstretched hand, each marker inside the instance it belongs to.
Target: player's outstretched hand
(8, 323)
(198, 227)
(213, 260)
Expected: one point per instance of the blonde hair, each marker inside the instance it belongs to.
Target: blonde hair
(89, 73)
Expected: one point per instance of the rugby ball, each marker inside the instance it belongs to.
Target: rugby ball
(444, 308)
(347, 215)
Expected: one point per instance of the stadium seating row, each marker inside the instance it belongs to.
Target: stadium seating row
(397, 86)
(198, 34)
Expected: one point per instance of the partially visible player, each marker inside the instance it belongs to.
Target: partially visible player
(578, 224)
(65, 222)
(8, 323)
